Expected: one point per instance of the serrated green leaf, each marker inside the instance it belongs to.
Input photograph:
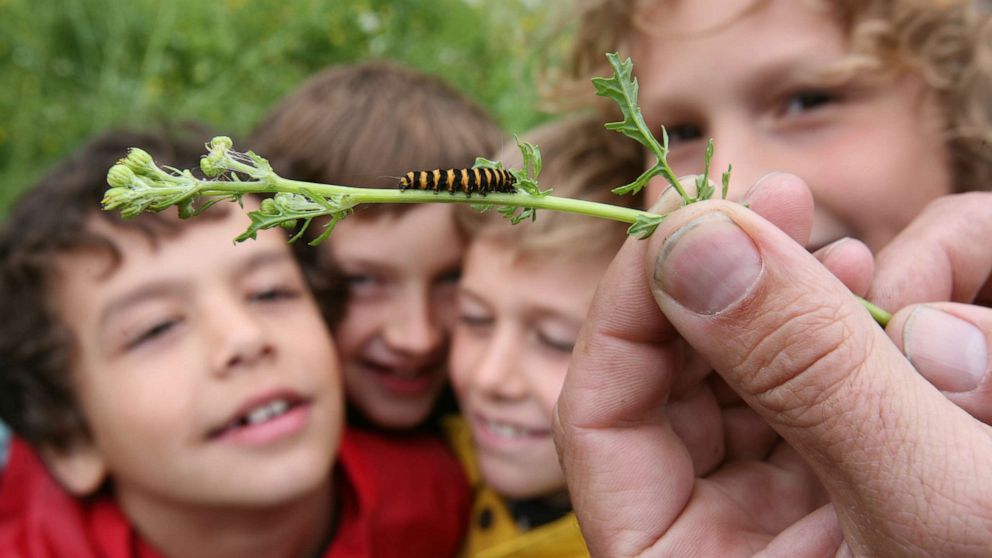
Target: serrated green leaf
(483, 163)
(517, 214)
(638, 184)
(328, 228)
(532, 158)
(726, 180)
(645, 225)
(704, 190)
(292, 224)
(622, 89)
(529, 186)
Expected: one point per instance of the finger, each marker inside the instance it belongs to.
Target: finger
(740, 508)
(943, 255)
(785, 201)
(948, 344)
(698, 422)
(801, 351)
(851, 261)
(781, 198)
(818, 535)
(628, 473)
(746, 435)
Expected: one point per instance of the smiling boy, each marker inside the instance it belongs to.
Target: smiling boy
(364, 125)
(523, 297)
(186, 394)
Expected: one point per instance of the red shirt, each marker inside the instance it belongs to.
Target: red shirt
(399, 497)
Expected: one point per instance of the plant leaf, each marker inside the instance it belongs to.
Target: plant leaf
(483, 163)
(645, 225)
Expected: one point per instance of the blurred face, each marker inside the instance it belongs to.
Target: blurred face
(518, 321)
(872, 152)
(401, 270)
(204, 368)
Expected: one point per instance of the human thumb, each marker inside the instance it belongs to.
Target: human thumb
(800, 349)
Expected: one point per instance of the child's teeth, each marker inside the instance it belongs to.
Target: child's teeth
(506, 430)
(268, 411)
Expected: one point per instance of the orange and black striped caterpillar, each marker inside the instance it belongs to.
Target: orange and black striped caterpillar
(480, 181)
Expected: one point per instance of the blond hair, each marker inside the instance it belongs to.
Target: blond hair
(947, 43)
(582, 160)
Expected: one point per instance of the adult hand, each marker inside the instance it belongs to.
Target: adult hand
(943, 256)
(902, 467)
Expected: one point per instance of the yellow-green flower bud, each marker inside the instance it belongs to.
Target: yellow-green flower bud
(221, 142)
(268, 207)
(210, 164)
(120, 176)
(138, 160)
(291, 224)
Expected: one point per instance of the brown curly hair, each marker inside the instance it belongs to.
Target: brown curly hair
(948, 43)
(369, 123)
(37, 397)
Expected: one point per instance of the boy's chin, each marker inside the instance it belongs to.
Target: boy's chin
(273, 476)
(518, 482)
(282, 483)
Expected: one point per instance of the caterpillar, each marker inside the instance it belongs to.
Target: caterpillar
(481, 181)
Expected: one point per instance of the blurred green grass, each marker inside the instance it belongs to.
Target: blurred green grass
(71, 68)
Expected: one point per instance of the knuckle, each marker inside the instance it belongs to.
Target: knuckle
(803, 358)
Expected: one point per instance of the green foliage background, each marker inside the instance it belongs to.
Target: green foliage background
(70, 68)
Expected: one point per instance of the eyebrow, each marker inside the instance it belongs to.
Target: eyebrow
(535, 312)
(164, 287)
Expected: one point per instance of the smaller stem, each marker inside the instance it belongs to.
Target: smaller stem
(881, 316)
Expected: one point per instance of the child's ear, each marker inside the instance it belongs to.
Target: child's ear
(80, 470)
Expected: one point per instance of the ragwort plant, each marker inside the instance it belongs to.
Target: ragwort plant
(137, 184)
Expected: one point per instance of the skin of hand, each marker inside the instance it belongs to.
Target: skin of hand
(661, 458)
(936, 278)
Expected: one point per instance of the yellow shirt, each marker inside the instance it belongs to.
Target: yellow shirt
(492, 532)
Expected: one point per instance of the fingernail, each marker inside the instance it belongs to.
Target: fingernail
(824, 253)
(948, 351)
(667, 202)
(756, 187)
(708, 264)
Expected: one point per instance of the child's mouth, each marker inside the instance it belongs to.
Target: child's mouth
(494, 432)
(402, 380)
(265, 422)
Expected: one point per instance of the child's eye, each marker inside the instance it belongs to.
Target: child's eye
(682, 133)
(363, 284)
(805, 101)
(360, 280)
(555, 343)
(449, 277)
(154, 332)
(475, 320)
(276, 294)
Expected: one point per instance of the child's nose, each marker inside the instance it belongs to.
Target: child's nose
(413, 328)
(239, 340)
(499, 373)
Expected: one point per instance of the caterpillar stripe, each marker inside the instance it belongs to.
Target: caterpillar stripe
(479, 181)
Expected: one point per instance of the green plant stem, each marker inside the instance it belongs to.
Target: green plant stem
(881, 316)
(392, 195)
(383, 195)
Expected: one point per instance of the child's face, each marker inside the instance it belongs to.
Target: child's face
(518, 322)
(204, 368)
(872, 152)
(401, 271)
